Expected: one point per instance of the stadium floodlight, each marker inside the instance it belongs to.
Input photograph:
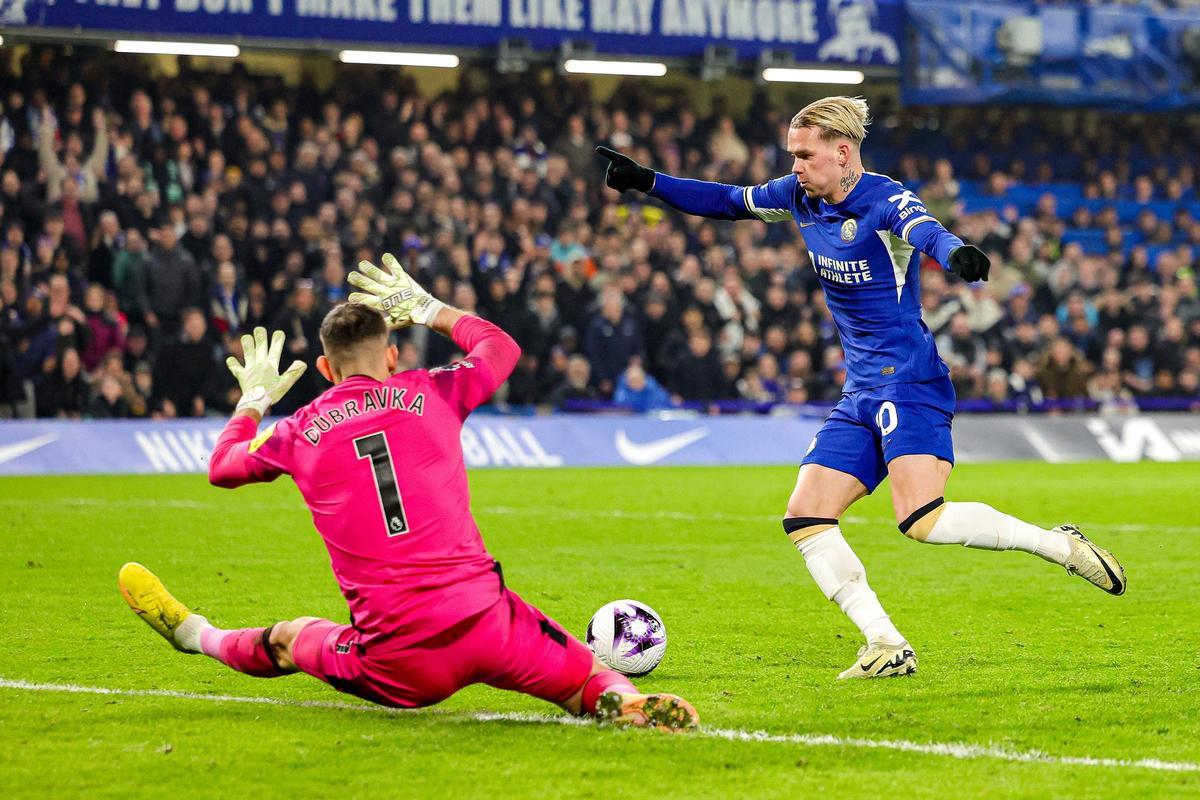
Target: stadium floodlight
(176, 48)
(849, 77)
(398, 58)
(586, 66)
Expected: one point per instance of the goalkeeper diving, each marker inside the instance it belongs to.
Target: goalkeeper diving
(378, 461)
(864, 233)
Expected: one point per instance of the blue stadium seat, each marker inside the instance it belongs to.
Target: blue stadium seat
(1127, 210)
(1025, 197)
(976, 203)
(1063, 191)
(1092, 241)
(1163, 209)
(1153, 251)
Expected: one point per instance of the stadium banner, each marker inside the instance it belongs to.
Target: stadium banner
(56, 447)
(863, 32)
(1111, 54)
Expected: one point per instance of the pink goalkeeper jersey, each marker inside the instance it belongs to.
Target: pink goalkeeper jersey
(380, 466)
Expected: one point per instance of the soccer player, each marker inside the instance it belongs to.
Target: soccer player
(378, 461)
(863, 232)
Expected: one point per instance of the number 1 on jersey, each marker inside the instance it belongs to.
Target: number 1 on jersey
(375, 447)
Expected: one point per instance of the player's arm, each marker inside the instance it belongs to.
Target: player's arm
(770, 202)
(486, 344)
(491, 353)
(908, 219)
(236, 459)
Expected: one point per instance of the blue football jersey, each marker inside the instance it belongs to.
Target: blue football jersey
(865, 253)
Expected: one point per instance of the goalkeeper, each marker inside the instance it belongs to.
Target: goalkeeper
(378, 460)
(863, 232)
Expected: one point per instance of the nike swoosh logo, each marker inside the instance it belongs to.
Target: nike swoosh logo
(806, 224)
(650, 452)
(867, 667)
(1113, 580)
(17, 449)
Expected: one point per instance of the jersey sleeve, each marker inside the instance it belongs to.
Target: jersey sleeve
(770, 202)
(491, 356)
(907, 218)
(244, 455)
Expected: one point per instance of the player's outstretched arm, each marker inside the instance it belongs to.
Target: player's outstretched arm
(491, 353)
(262, 386)
(702, 198)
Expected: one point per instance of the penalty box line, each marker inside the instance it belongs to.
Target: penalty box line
(947, 750)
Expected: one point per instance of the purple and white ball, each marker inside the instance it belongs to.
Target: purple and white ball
(628, 636)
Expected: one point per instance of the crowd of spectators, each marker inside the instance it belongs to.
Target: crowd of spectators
(147, 223)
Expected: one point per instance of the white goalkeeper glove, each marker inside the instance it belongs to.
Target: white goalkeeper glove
(400, 299)
(261, 383)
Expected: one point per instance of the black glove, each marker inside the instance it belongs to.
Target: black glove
(624, 173)
(969, 263)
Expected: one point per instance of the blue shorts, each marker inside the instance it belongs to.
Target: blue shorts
(870, 427)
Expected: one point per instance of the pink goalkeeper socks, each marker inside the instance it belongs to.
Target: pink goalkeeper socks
(601, 682)
(245, 649)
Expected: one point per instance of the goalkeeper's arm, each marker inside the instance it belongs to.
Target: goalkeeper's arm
(262, 384)
(230, 465)
(403, 301)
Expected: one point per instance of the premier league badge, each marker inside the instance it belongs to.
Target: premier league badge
(849, 229)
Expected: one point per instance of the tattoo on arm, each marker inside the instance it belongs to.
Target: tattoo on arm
(849, 179)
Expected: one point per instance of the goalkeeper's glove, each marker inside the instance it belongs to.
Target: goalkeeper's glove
(261, 383)
(969, 263)
(394, 294)
(624, 173)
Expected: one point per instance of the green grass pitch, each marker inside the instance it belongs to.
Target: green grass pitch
(1014, 655)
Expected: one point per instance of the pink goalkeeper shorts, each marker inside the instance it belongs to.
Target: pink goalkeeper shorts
(510, 646)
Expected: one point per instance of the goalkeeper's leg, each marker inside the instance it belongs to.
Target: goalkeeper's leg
(262, 652)
(918, 489)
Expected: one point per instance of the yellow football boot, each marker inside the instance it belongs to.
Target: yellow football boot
(1092, 563)
(151, 601)
(882, 661)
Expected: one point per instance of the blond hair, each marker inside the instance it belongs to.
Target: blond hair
(836, 116)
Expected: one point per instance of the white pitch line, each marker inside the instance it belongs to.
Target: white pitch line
(953, 750)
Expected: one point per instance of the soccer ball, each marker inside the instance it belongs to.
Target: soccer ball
(628, 636)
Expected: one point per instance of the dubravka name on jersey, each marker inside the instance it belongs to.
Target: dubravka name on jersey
(379, 398)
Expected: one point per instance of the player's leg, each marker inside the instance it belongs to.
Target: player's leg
(254, 651)
(918, 494)
(820, 498)
(842, 466)
(521, 649)
(917, 445)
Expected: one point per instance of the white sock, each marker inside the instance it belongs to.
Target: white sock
(187, 635)
(981, 526)
(843, 579)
